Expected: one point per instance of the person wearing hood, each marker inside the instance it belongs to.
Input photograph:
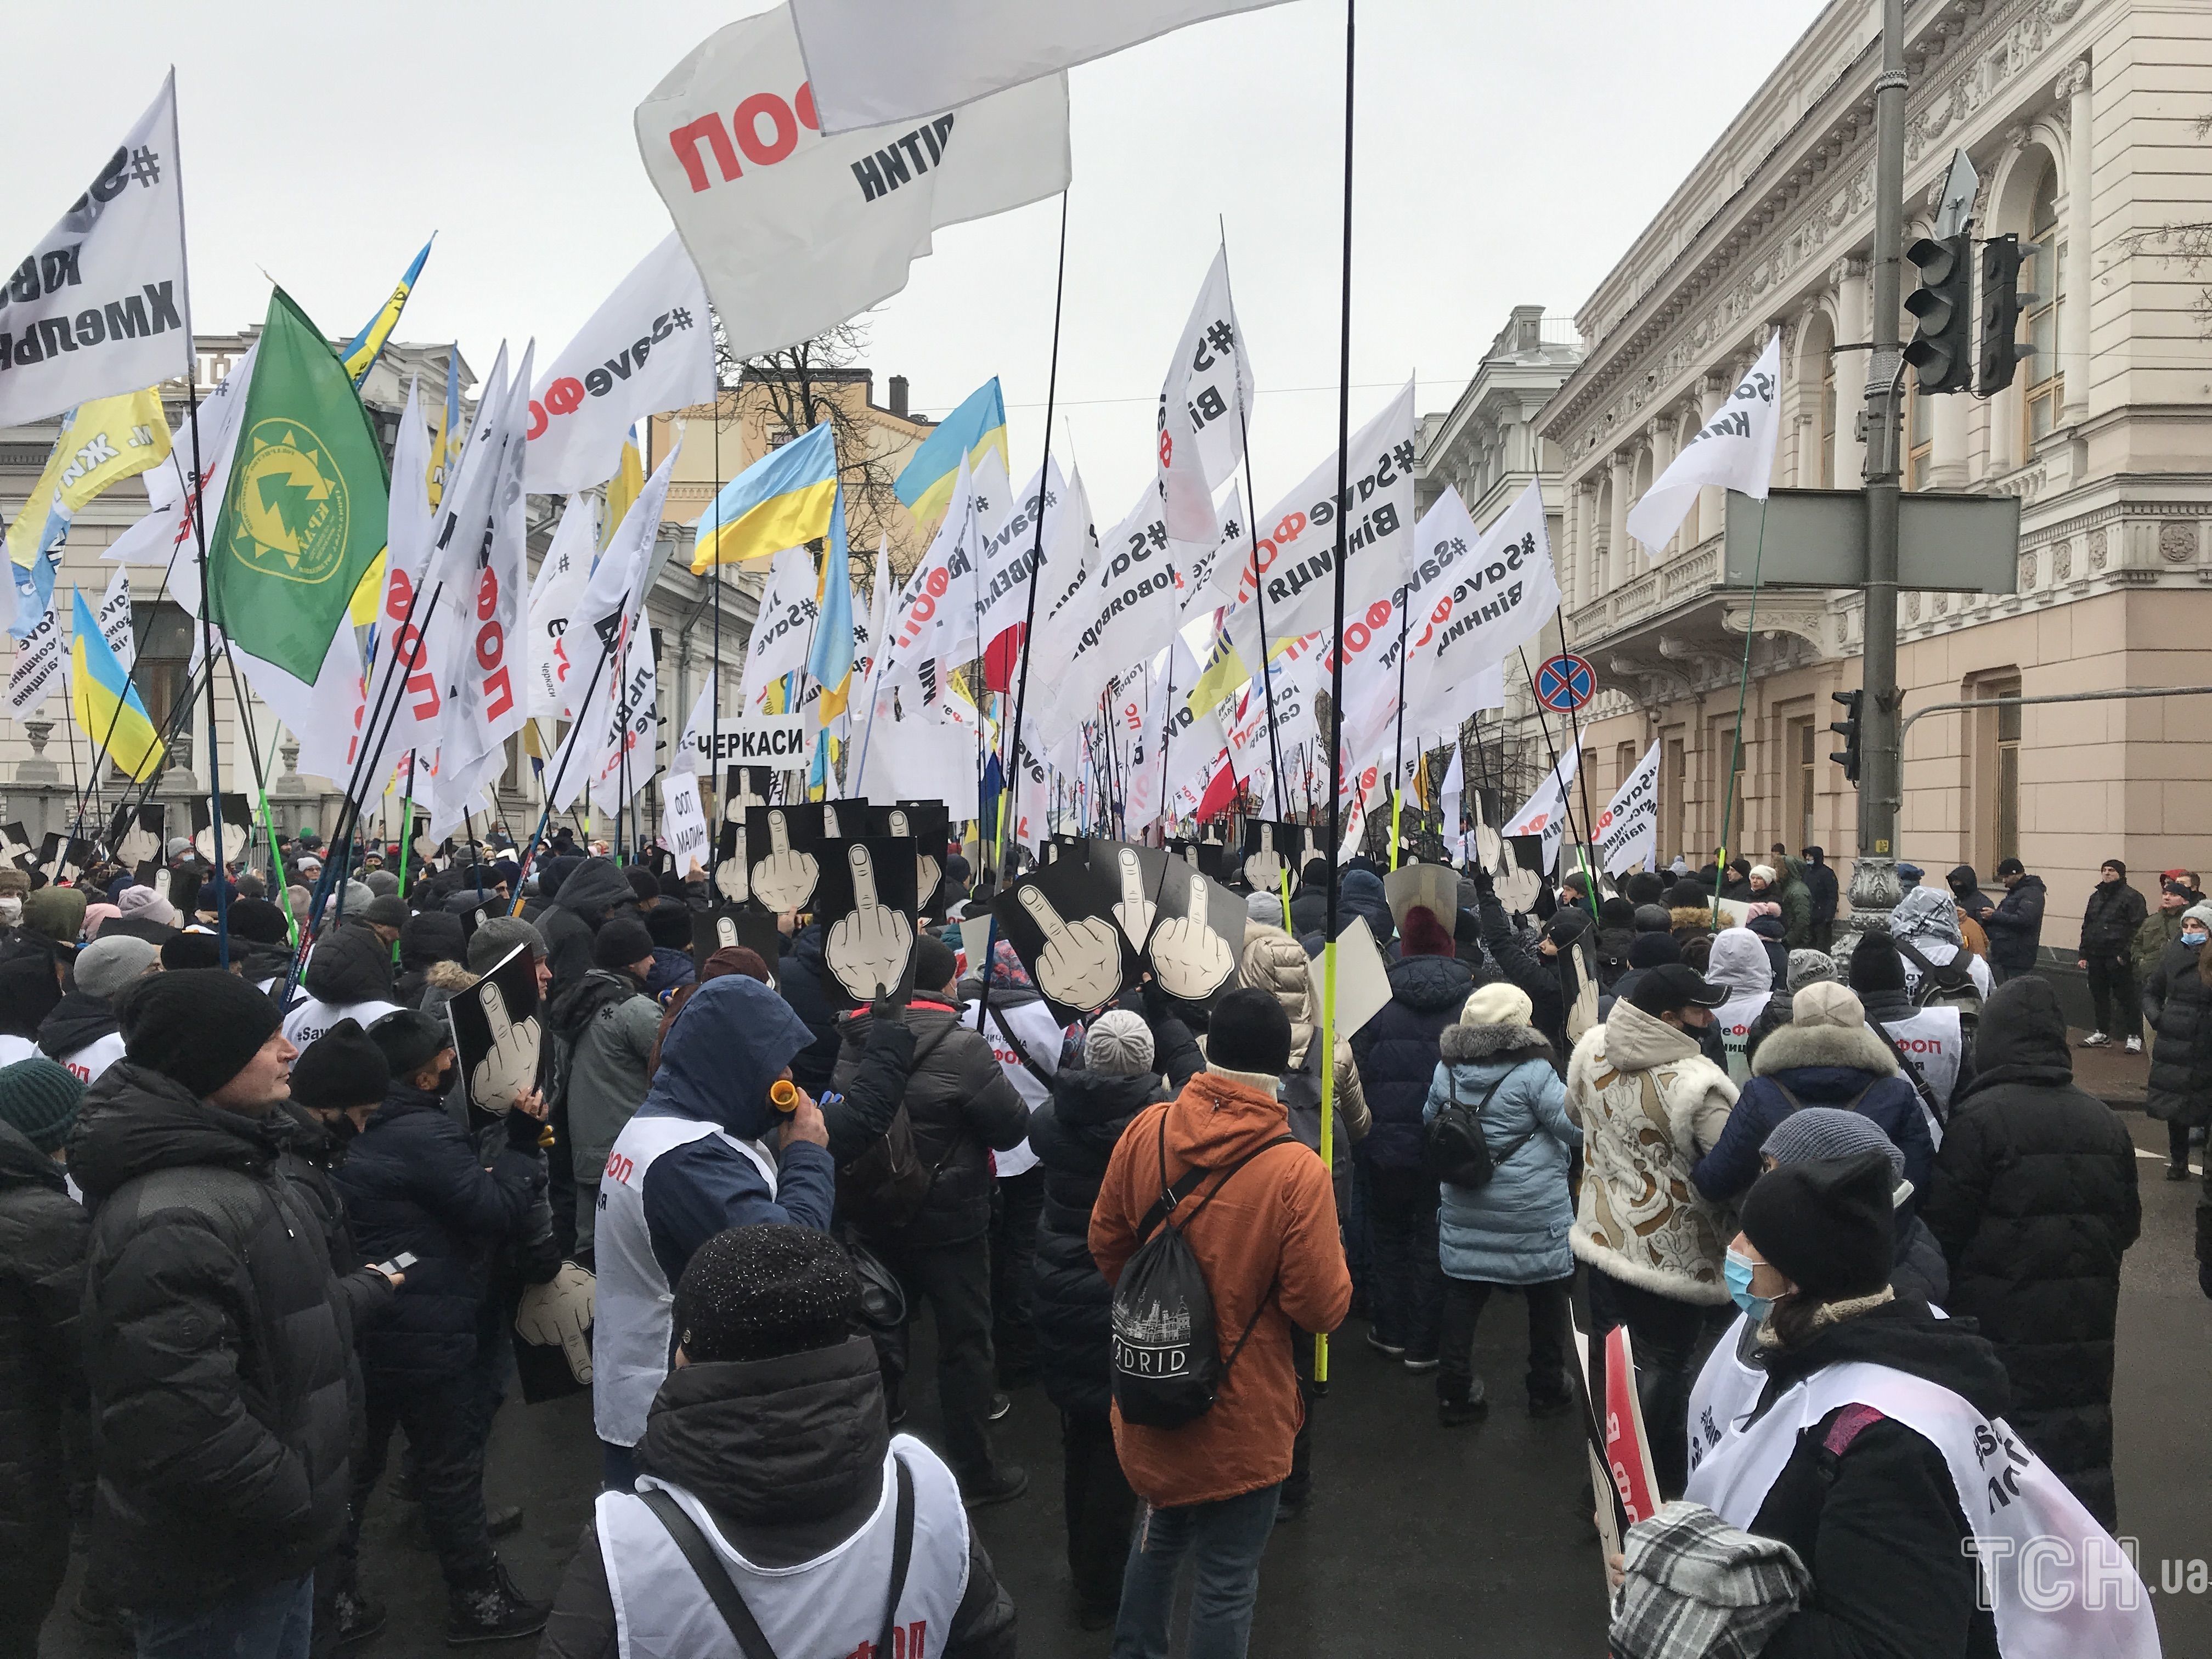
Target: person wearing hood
(769, 1439)
(2177, 1004)
(605, 1024)
(2177, 892)
(44, 1234)
(348, 977)
(2014, 923)
(219, 1351)
(82, 1032)
(1799, 968)
(1929, 923)
(1826, 894)
(1074, 1135)
(707, 1150)
(588, 894)
(1396, 1053)
(1545, 972)
(1856, 1428)
(427, 939)
(1741, 965)
(1825, 1056)
(2034, 1199)
(1967, 891)
(730, 959)
(2115, 910)
(1690, 909)
(1358, 893)
(1309, 903)
(669, 921)
(1918, 1272)
(1933, 1042)
(1616, 932)
(1651, 1239)
(1511, 1231)
(962, 1109)
(55, 914)
(414, 1183)
(1273, 1264)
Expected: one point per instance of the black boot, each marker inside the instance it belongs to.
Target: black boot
(492, 1610)
(354, 1618)
(1468, 1405)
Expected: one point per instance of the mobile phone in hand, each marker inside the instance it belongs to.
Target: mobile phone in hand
(399, 1264)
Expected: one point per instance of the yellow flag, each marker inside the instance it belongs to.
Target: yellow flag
(621, 490)
(369, 595)
(106, 441)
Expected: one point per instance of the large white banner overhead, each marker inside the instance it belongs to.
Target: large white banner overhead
(1545, 813)
(1733, 449)
(1211, 377)
(1125, 607)
(874, 60)
(795, 231)
(99, 306)
(1297, 546)
(783, 628)
(555, 596)
(1627, 832)
(649, 348)
(1477, 596)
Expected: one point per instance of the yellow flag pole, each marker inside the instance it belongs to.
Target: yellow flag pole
(1328, 1112)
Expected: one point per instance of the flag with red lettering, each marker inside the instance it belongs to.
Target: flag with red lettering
(489, 576)
(556, 595)
(648, 349)
(1545, 813)
(795, 231)
(890, 60)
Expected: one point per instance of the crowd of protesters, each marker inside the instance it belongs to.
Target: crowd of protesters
(254, 1218)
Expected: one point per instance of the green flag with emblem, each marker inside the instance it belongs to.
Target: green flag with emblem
(304, 514)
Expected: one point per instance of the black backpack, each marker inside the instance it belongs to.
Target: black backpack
(1167, 1363)
(1457, 1151)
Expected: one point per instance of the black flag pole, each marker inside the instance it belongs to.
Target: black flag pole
(1252, 536)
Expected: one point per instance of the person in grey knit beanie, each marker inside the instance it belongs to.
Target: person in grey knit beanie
(498, 936)
(106, 966)
(1118, 1044)
(1809, 968)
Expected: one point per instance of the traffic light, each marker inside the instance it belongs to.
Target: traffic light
(2002, 303)
(1848, 756)
(1942, 305)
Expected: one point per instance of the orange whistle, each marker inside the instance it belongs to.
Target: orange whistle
(783, 1095)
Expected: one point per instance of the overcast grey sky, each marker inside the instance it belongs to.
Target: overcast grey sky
(1506, 154)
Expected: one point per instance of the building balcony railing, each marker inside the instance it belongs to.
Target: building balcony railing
(1682, 577)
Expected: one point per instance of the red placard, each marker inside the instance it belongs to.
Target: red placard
(1627, 1450)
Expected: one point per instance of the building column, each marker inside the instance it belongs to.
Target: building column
(1712, 500)
(1568, 562)
(1849, 277)
(1615, 562)
(2074, 312)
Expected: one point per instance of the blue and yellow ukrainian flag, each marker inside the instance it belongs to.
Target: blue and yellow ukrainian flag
(925, 485)
(105, 701)
(360, 353)
(787, 498)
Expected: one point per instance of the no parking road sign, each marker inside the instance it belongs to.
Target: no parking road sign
(1564, 683)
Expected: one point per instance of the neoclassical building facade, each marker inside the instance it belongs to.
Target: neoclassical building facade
(2082, 119)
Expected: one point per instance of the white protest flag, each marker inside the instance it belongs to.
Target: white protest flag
(1126, 606)
(1010, 550)
(932, 600)
(619, 723)
(1210, 377)
(167, 530)
(683, 822)
(1477, 599)
(489, 657)
(322, 716)
(1296, 543)
(795, 231)
(698, 740)
(114, 618)
(37, 666)
(783, 627)
(1449, 794)
(1546, 811)
(874, 60)
(556, 595)
(410, 636)
(1627, 832)
(1195, 577)
(1734, 450)
(99, 306)
(649, 348)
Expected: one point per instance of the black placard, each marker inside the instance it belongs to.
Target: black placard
(784, 844)
(926, 824)
(864, 904)
(237, 829)
(497, 1035)
(135, 834)
(743, 787)
(1192, 952)
(1213, 859)
(1060, 921)
(733, 924)
(17, 848)
(62, 856)
(732, 874)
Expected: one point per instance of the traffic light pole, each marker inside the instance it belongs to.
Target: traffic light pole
(1874, 890)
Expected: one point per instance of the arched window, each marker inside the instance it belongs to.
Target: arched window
(2043, 374)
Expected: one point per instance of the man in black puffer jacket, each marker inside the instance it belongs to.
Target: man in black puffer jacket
(43, 1235)
(804, 981)
(1396, 1052)
(217, 1348)
(590, 893)
(962, 1108)
(1074, 1133)
(2034, 1202)
(412, 1182)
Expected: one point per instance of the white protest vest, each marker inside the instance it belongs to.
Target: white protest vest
(829, 1608)
(1935, 1040)
(1032, 1021)
(2060, 1587)
(89, 1062)
(311, 1018)
(1736, 1019)
(633, 1333)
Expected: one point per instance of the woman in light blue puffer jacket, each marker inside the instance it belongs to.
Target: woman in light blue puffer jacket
(1512, 1230)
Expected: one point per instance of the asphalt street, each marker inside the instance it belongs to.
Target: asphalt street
(1417, 1538)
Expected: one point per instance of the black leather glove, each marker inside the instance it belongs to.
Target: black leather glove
(1485, 885)
(523, 1131)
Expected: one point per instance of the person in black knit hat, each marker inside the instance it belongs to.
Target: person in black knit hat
(218, 1343)
(769, 1433)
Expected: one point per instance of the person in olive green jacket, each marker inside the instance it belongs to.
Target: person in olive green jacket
(2178, 890)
